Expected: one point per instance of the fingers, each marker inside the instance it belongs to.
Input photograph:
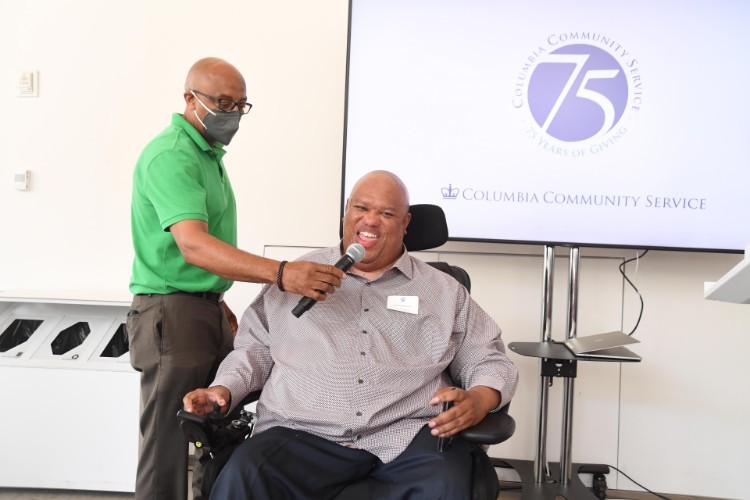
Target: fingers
(459, 416)
(447, 394)
(311, 279)
(450, 422)
(201, 401)
(193, 402)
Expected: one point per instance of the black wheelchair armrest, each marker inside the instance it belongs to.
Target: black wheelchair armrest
(495, 428)
(204, 431)
(196, 429)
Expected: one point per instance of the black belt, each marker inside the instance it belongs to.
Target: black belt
(212, 296)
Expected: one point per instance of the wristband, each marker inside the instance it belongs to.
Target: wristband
(279, 274)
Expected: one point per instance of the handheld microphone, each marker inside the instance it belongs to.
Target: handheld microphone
(354, 253)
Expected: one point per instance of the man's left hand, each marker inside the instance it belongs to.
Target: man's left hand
(469, 408)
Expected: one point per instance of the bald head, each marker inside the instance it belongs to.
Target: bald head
(210, 71)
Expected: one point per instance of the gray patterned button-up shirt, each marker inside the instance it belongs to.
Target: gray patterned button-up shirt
(357, 373)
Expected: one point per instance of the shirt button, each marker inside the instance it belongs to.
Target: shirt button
(361, 381)
(364, 331)
(359, 413)
(367, 310)
(362, 353)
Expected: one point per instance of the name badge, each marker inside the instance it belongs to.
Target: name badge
(404, 303)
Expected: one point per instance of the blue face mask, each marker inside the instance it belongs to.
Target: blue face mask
(220, 126)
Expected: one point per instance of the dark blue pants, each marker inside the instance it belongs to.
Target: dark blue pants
(282, 463)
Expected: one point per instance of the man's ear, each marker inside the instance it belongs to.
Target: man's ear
(407, 220)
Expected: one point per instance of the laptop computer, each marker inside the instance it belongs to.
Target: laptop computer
(603, 345)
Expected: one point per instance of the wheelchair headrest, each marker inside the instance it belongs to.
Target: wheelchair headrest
(427, 229)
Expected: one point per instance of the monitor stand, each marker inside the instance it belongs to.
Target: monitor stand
(540, 479)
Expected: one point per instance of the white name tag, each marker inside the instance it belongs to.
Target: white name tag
(404, 303)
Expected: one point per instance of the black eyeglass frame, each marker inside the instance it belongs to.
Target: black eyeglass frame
(224, 102)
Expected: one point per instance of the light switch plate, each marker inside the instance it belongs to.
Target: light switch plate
(21, 180)
(28, 83)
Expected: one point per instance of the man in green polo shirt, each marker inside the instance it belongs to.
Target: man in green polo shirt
(184, 229)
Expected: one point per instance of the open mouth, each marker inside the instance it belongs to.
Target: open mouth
(366, 238)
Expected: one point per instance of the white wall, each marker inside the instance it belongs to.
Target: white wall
(112, 72)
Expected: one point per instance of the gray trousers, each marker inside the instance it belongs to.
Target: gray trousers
(176, 343)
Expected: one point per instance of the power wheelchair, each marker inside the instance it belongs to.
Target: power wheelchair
(218, 437)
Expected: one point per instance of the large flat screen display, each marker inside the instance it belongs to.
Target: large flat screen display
(588, 123)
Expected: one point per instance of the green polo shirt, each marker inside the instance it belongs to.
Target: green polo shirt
(179, 176)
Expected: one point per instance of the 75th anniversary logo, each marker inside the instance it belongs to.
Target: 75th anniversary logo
(579, 89)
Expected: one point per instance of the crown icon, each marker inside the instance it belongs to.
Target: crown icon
(449, 193)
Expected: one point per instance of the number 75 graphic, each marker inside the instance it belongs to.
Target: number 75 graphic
(570, 118)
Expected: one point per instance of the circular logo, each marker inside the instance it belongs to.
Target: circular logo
(579, 92)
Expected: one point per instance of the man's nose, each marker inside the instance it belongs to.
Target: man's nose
(372, 218)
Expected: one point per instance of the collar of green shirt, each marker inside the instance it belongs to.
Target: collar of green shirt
(179, 121)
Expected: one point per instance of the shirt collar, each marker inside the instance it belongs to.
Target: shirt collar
(179, 121)
(403, 263)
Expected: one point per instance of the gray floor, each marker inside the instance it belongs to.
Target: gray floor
(509, 491)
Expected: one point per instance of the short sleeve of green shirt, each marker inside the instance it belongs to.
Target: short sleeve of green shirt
(173, 186)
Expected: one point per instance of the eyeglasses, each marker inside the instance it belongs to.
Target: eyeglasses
(226, 104)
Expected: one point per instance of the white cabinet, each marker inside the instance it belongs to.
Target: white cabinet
(70, 416)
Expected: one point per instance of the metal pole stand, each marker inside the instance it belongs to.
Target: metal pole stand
(539, 479)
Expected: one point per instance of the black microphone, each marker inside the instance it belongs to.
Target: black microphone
(354, 253)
